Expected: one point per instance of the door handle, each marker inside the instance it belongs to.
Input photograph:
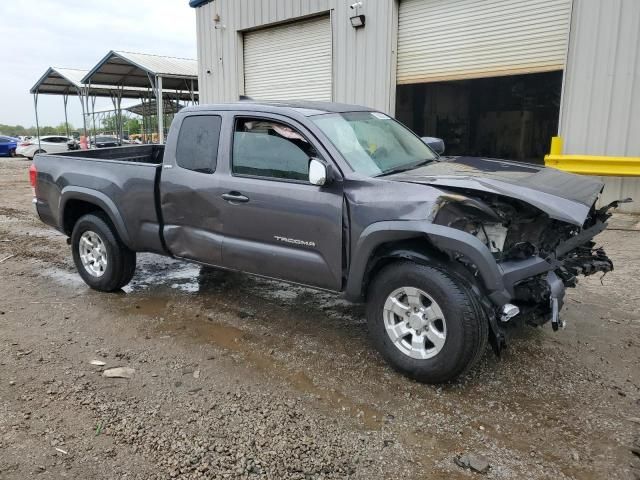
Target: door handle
(235, 197)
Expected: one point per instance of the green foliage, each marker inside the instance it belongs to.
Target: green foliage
(62, 127)
(19, 130)
(132, 126)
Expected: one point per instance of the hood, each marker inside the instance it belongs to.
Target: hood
(562, 196)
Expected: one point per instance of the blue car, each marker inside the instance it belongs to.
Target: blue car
(8, 146)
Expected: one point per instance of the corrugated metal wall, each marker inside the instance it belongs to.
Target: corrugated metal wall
(600, 112)
(363, 59)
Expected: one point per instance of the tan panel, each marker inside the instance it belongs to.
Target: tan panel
(289, 62)
(458, 39)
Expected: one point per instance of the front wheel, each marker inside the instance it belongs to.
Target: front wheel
(12, 152)
(425, 322)
(102, 260)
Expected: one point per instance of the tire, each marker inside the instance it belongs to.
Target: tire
(12, 152)
(463, 325)
(120, 260)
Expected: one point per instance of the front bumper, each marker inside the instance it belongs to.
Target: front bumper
(540, 297)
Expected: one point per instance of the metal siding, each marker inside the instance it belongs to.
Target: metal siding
(600, 114)
(291, 61)
(355, 80)
(446, 40)
(363, 60)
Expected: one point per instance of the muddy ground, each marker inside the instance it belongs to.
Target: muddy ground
(242, 377)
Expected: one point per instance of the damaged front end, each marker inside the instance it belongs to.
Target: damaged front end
(539, 256)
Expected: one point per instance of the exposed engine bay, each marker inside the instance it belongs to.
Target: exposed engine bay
(514, 230)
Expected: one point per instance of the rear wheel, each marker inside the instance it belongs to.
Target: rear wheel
(425, 323)
(12, 152)
(102, 260)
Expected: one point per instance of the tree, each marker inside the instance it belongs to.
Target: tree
(132, 126)
(62, 128)
(109, 123)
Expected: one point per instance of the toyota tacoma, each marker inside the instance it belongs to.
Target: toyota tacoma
(446, 252)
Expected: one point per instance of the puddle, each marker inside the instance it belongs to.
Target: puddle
(149, 294)
(154, 271)
(254, 350)
(154, 306)
(244, 343)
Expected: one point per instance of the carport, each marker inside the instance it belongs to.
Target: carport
(166, 77)
(68, 82)
(148, 108)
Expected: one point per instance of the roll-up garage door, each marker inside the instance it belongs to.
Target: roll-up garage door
(291, 61)
(459, 39)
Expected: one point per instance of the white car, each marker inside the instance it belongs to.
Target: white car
(48, 144)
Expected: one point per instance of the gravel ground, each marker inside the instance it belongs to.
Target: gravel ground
(237, 377)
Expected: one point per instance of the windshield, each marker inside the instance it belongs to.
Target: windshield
(374, 143)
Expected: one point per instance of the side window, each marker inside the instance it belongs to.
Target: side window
(265, 148)
(197, 147)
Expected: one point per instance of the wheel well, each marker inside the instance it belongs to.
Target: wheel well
(417, 249)
(74, 209)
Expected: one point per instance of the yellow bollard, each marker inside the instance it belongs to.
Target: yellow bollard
(556, 146)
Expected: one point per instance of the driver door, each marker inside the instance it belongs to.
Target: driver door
(276, 223)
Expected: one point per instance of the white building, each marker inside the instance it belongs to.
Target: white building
(491, 77)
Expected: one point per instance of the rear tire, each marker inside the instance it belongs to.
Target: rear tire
(12, 152)
(102, 260)
(409, 305)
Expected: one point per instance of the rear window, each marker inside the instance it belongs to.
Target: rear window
(197, 148)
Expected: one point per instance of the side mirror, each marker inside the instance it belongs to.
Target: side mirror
(435, 144)
(319, 172)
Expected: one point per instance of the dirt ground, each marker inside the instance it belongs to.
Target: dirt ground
(237, 377)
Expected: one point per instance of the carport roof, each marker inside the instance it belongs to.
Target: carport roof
(61, 81)
(127, 69)
(68, 81)
(151, 107)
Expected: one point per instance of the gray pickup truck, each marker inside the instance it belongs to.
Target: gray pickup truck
(447, 252)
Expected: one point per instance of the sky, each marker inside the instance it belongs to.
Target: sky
(36, 35)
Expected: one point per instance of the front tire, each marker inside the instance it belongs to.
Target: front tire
(102, 260)
(426, 323)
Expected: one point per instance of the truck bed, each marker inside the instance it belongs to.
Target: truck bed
(124, 180)
(131, 153)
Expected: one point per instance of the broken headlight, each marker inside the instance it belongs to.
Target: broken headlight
(472, 216)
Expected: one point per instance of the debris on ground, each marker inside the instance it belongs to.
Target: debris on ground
(119, 372)
(6, 258)
(477, 463)
(98, 363)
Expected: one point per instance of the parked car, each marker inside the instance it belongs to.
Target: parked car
(105, 141)
(73, 144)
(47, 144)
(447, 252)
(8, 146)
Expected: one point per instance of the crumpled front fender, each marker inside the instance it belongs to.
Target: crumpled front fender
(445, 239)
